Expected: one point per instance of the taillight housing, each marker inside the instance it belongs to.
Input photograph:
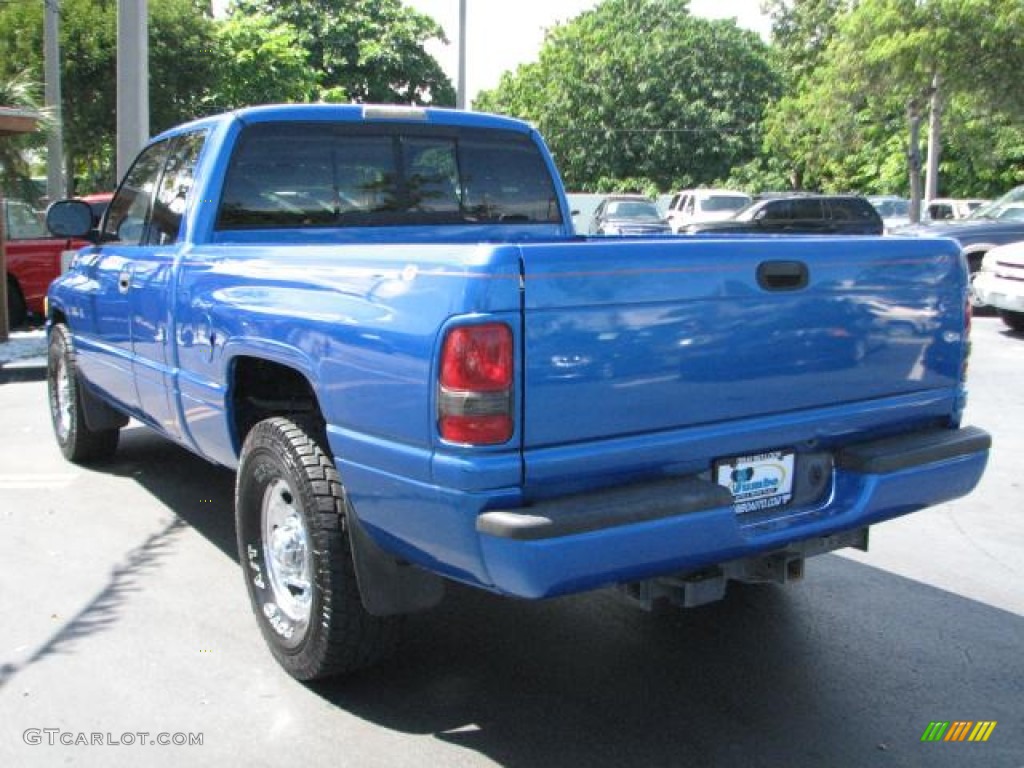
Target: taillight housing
(476, 385)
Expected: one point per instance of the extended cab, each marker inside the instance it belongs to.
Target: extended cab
(381, 319)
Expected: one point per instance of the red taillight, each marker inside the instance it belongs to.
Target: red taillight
(476, 377)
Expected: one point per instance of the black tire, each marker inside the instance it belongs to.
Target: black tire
(290, 513)
(77, 441)
(17, 312)
(1014, 320)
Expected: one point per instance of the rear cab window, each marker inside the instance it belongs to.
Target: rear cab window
(309, 175)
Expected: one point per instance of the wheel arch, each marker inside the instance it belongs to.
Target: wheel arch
(261, 387)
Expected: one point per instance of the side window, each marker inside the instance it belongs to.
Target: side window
(689, 207)
(129, 210)
(674, 205)
(174, 188)
(777, 210)
(807, 209)
(851, 209)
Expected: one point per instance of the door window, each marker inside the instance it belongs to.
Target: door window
(174, 188)
(129, 210)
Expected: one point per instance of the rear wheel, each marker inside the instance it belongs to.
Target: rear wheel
(1014, 320)
(293, 544)
(16, 310)
(77, 441)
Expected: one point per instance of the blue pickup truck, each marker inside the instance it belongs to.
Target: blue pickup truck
(381, 318)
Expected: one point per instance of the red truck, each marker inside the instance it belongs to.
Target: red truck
(33, 260)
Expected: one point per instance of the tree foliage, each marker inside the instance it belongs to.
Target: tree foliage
(260, 61)
(802, 31)
(19, 92)
(181, 69)
(642, 90)
(844, 123)
(363, 50)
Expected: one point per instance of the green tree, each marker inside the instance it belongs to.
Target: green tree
(802, 31)
(260, 62)
(363, 50)
(21, 93)
(845, 125)
(182, 70)
(639, 92)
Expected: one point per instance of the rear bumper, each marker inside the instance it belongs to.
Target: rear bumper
(587, 541)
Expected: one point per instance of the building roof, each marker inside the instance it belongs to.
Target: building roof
(14, 121)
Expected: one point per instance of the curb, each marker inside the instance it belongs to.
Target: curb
(33, 369)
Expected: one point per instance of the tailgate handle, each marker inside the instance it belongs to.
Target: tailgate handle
(782, 275)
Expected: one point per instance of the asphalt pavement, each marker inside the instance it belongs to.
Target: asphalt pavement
(125, 624)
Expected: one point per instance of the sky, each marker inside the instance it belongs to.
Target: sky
(501, 34)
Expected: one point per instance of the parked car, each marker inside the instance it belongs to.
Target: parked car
(894, 210)
(996, 223)
(1000, 283)
(945, 208)
(33, 260)
(694, 206)
(627, 215)
(800, 215)
(582, 206)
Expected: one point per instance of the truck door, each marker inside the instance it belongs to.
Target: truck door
(105, 350)
(151, 287)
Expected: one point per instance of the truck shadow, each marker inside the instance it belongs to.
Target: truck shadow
(847, 668)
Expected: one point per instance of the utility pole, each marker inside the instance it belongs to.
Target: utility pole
(934, 139)
(914, 159)
(132, 81)
(56, 181)
(460, 94)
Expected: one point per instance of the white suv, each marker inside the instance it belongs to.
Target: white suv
(694, 206)
(1000, 283)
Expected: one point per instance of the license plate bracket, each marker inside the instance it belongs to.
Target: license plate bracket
(758, 482)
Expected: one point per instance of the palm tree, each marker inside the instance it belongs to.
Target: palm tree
(20, 92)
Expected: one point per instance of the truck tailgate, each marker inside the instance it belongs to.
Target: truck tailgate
(639, 336)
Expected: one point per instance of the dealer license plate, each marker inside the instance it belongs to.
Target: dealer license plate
(759, 482)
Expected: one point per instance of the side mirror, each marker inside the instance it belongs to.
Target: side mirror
(69, 218)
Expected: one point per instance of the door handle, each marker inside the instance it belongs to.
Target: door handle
(782, 275)
(124, 280)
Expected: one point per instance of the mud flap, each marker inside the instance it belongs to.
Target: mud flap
(387, 586)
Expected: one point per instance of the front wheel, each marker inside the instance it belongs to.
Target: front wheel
(78, 442)
(293, 543)
(1013, 320)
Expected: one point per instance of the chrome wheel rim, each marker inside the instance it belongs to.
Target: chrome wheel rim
(287, 553)
(61, 399)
